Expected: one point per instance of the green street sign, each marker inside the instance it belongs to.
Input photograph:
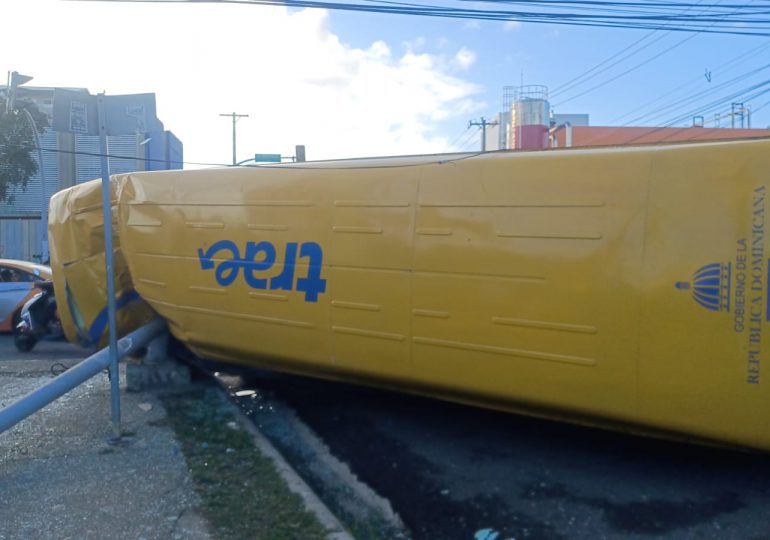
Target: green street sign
(267, 158)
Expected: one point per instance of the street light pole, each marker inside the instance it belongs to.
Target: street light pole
(112, 320)
(43, 199)
(235, 119)
(15, 79)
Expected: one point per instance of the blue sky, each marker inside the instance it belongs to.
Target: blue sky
(553, 55)
(350, 84)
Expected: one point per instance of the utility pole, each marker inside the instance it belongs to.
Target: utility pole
(738, 109)
(483, 123)
(235, 118)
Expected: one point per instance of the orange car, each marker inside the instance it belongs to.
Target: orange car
(17, 285)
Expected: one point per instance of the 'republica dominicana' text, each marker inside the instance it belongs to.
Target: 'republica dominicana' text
(750, 285)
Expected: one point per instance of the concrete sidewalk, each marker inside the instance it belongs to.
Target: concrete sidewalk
(59, 476)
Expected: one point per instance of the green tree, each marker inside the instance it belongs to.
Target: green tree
(18, 147)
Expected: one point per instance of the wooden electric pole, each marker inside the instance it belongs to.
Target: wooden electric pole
(235, 119)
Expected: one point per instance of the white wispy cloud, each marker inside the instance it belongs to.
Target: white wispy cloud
(509, 26)
(415, 44)
(465, 58)
(297, 80)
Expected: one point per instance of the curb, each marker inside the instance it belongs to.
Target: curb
(293, 481)
(362, 491)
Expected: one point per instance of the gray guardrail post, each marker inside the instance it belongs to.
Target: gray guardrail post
(37, 399)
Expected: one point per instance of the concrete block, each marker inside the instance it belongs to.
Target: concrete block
(155, 369)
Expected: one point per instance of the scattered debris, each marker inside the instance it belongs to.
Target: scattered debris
(486, 534)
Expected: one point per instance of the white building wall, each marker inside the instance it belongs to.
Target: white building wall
(493, 136)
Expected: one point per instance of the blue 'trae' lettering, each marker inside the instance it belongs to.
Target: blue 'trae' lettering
(312, 285)
(260, 257)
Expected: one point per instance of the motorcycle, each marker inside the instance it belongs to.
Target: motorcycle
(39, 319)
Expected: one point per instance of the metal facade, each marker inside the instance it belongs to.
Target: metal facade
(20, 239)
(20, 232)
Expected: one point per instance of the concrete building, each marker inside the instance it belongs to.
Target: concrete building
(568, 135)
(562, 119)
(70, 159)
(493, 133)
(528, 122)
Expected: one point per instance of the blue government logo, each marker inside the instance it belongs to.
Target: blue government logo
(710, 286)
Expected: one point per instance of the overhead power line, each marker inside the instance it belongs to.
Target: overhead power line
(743, 95)
(729, 17)
(759, 108)
(736, 10)
(746, 94)
(117, 156)
(602, 66)
(632, 49)
(468, 145)
(734, 62)
(629, 70)
(456, 139)
(693, 98)
(466, 141)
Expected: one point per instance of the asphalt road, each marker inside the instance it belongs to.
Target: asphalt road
(46, 355)
(456, 472)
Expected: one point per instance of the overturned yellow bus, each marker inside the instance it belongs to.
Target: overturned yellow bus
(625, 287)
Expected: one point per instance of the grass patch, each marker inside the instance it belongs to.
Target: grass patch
(243, 496)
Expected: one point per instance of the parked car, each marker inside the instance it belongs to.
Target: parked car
(17, 285)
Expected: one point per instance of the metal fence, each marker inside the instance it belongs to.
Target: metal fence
(34, 401)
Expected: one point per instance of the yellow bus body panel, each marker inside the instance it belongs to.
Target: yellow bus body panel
(76, 236)
(623, 286)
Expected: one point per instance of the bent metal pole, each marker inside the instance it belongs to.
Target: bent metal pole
(37, 399)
